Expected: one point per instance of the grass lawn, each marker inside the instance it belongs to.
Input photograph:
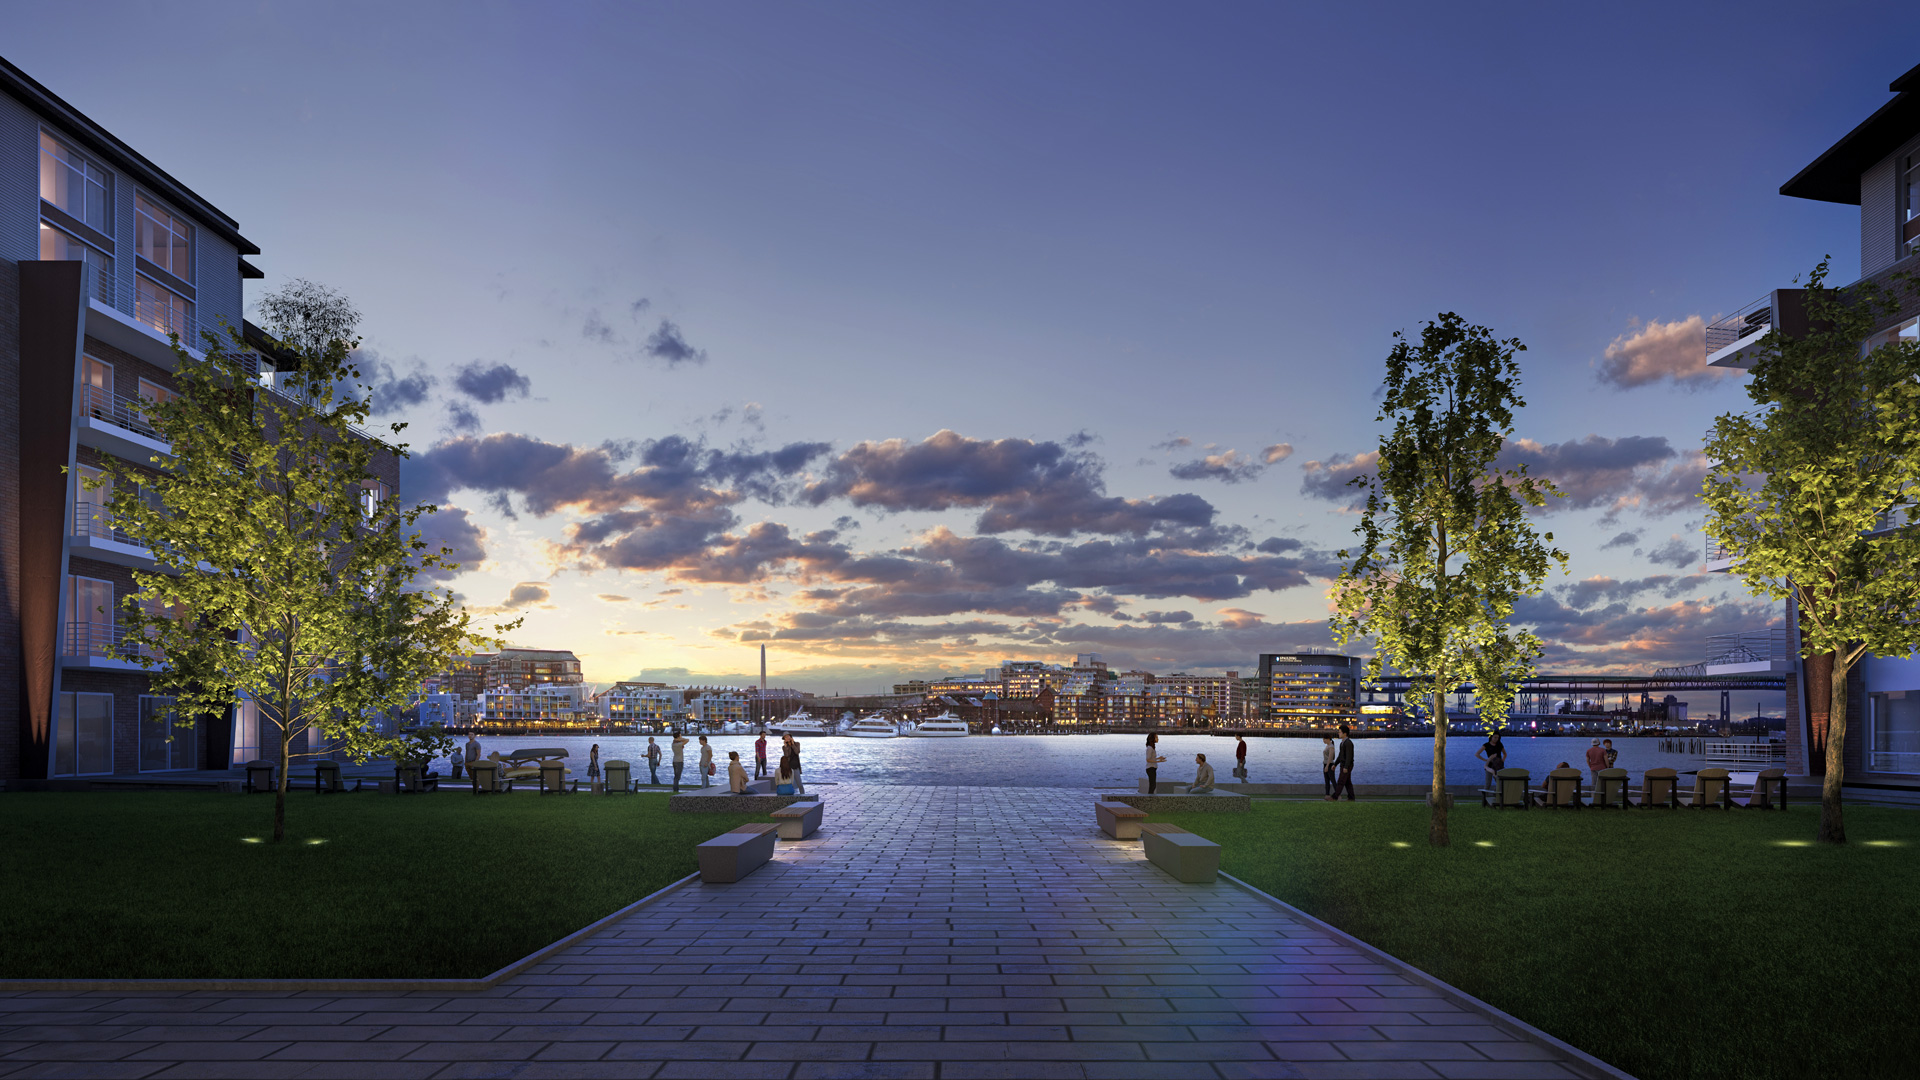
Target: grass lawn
(1674, 945)
(183, 885)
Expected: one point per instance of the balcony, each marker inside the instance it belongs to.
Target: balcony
(1720, 557)
(95, 537)
(102, 647)
(1733, 341)
(1755, 652)
(114, 424)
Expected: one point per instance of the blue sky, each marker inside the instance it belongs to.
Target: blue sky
(716, 274)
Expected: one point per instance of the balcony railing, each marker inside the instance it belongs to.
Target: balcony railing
(92, 521)
(116, 409)
(1748, 320)
(1719, 552)
(108, 641)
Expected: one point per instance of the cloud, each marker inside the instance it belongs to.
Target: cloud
(528, 594)
(1605, 590)
(1671, 351)
(612, 598)
(452, 529)
(1018, 484)
(1620, 637)
(639, 307)
(1625, 539)
(1331, 479)
(492, 385)
(667, 343)
(1678, 552)
(1173, 442)
(388, 391)
(461, 419)
(1277, 453)
(1166, 617)
(1638, 472)
(595, 329)
(1231, 466)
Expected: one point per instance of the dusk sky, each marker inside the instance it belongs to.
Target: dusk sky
(906, 338)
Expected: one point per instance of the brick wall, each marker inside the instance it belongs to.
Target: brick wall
(11, 686)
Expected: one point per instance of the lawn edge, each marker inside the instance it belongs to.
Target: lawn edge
(1599, 1070)
(485, 982)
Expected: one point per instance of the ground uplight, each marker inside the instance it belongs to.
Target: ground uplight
(1400, 843)
(1885, 843)
(1793, 843)
(250, 840)
(316, 841)
(1483, 843)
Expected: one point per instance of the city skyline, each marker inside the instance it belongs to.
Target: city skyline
(902, 344)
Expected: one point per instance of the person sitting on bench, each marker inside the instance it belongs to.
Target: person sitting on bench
(1202, 777)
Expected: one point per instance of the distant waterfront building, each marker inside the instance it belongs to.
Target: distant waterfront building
(1309, 689)
(720, 705)
(638, 703)
(1221, 694)
(545, 704)
(526, 668)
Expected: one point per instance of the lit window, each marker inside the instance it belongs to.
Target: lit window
(161, 307)
(163, 238)
(57, 246)
(74, 184)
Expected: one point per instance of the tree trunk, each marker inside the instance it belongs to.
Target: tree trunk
(1832, 829)
(1437, 830)
(280, 789)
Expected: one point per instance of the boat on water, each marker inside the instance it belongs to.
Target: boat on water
(872, 727)
(800, 723)
(944, 726)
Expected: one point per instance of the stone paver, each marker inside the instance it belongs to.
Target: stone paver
(944, 933)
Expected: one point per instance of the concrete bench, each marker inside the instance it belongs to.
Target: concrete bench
(735, 854)
(1118, 820)
(1164, 787)
(1189, 858)
(798, 821)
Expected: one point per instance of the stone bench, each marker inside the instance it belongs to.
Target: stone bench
(735, 854)
(797, 822)
(1164, 787)
(1118, 820)
(1188, 857)
(1182, 803)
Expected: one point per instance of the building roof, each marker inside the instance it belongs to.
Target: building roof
(118, 154)
(1835, 175)
(535, 654)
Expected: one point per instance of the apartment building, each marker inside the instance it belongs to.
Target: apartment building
(1875, 167)
(552, 703)
(1219, 694)
(645, 703)
(103, 254)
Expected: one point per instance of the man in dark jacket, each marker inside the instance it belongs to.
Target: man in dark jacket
(1344, 762)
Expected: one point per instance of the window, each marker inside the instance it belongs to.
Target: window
(74, 184)
(57, 246)
(90, 621)
(1908, 331)
(1910, 200)
(154, 392)
(162, 238)
(90, 506)
(373, 494)
(83, 735)
(1894, 739)
(161, 307)
(166, 743)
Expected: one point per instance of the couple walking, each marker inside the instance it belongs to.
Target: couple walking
(1337, 760)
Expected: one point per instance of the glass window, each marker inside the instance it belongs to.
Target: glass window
(162, 238)
(90, 611)
(154, 392)
(166, 743)
(57, 246)
(90, 506)
(161, 308)
(83, 735)
(73, 183)
(1895, 743)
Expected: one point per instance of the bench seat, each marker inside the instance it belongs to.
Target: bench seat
(797, 822)
(734, 854)
(1118, 820)
(1187, 856)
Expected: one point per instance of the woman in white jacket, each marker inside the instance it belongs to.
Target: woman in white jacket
(1153, 761)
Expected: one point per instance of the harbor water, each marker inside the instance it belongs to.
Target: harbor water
(1090, 761)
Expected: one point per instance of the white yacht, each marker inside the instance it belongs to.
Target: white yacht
(872, 727)
(944, 726)
(799, 723)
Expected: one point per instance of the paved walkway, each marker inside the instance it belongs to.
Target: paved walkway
(924, 932)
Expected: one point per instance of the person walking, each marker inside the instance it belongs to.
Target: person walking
(1344, 762)
(1202, 776)
(1494, 755)
(1153, 761)
(736, 773)
(1327, 754)
(679, 758)
(653, 761)
(1596, 760)
(793, 753)
(1240, 758)
(706, 762)
(760, 756)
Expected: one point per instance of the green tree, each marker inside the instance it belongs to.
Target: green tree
(1446, 547)
(1814, 487)
(280, 576)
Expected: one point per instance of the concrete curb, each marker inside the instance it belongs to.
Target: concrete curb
(487, 982)
(1594, 1068)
